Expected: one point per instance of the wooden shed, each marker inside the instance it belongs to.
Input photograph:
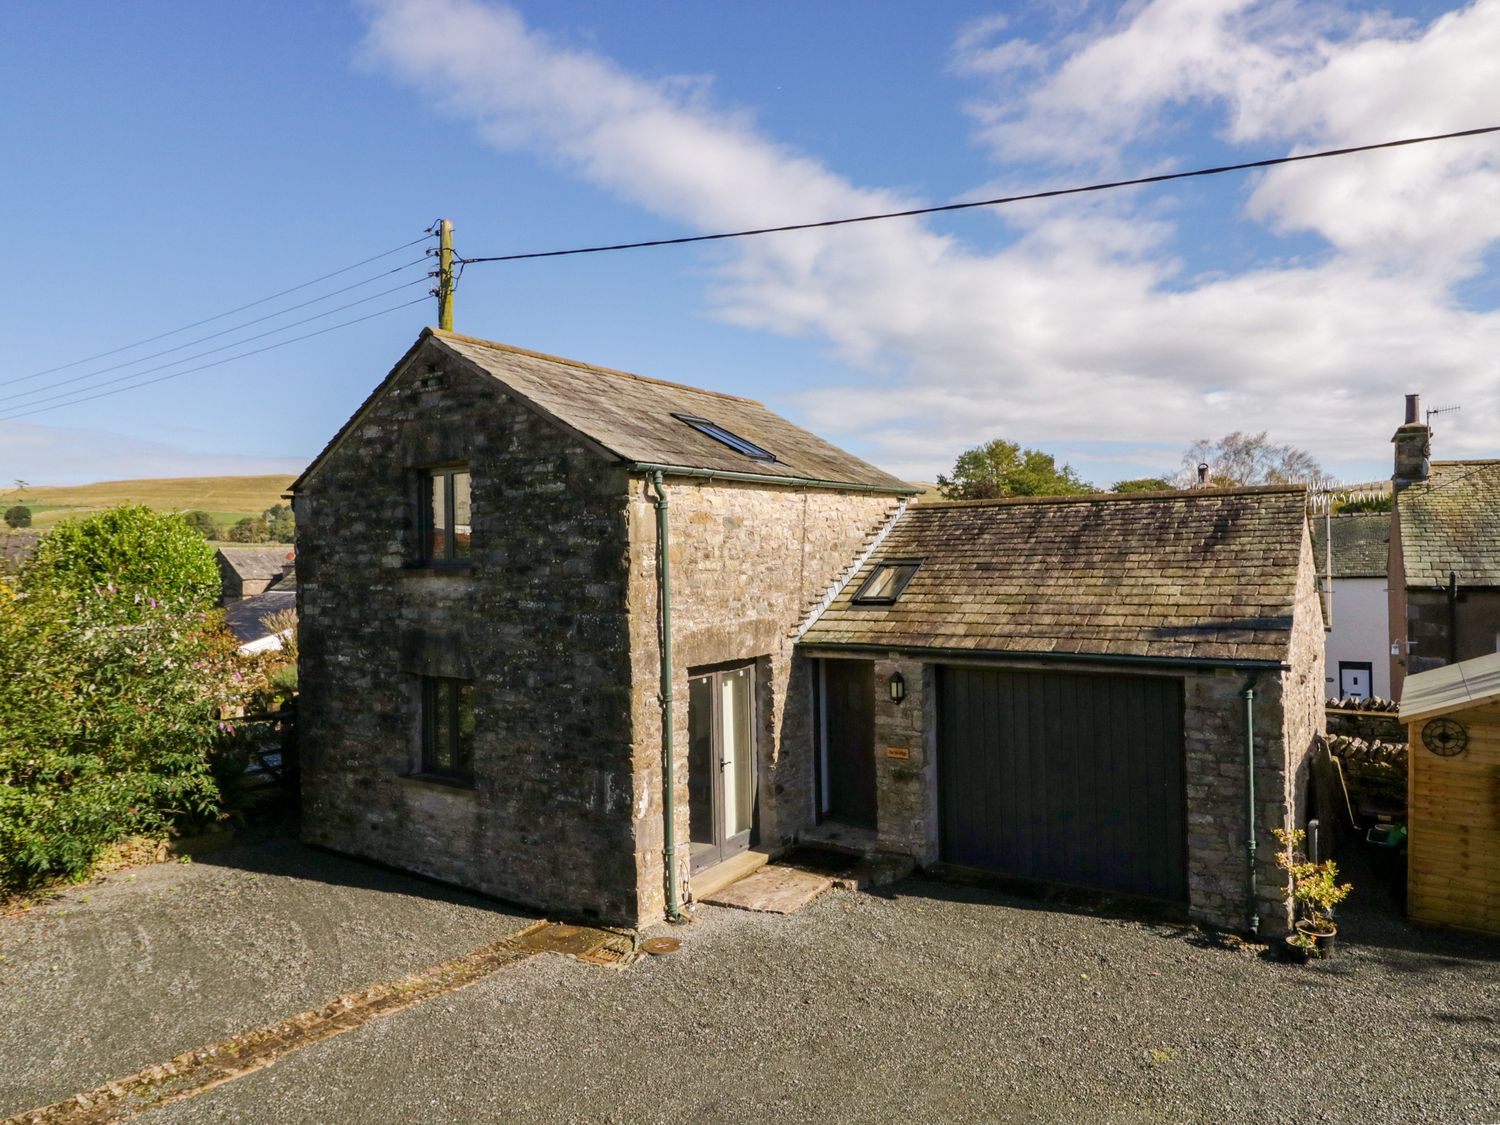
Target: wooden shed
(1452, 717)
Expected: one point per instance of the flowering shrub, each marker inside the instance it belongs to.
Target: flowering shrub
(106, 704)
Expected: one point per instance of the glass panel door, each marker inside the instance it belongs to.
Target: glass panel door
(721, 764)
(738, 755)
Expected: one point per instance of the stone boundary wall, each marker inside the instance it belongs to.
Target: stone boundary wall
(1371, 726)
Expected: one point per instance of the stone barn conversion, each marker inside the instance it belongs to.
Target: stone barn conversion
(482, 624)
(502, 552)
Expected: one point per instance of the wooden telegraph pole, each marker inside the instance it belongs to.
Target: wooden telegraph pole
(445, 275)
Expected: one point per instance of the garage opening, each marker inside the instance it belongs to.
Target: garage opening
(1064, 777)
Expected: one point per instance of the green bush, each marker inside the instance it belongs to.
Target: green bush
(130, 548)
(202, 523)
(281, 523)
(107, 699)
(251, 529)
(18, 515)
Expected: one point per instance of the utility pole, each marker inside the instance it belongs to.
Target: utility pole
(445, 275)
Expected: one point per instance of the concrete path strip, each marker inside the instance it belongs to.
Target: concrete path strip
(195, 1072)
(773, 890)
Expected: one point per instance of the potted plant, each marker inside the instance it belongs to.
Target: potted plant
(1315, 889)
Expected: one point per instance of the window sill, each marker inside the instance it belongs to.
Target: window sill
(453, 785)
(438, 569)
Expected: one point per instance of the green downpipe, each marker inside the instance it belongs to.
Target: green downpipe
(1251, 890)
(669, 756)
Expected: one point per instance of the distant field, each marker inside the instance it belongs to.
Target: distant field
(227, 499)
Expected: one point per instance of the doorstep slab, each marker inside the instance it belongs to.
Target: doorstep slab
(772, 890)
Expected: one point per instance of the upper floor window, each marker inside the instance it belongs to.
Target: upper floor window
(445, 516)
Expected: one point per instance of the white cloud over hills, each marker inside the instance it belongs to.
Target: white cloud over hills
(1085, 329)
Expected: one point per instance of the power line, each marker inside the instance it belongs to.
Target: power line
(426, 236)
(215, 363)
(210, 351)
(214, 335)
(1052, 194)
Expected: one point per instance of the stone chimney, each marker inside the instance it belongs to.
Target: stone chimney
(1413, 447)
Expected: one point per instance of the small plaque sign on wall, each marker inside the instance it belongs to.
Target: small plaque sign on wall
(898, 752)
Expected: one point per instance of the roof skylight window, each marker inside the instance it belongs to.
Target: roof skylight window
(734, 441)
(886, 582)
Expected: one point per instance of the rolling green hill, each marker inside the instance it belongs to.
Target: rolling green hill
(225, 498)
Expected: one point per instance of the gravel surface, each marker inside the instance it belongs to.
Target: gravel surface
(933, 1002)
(144, 964)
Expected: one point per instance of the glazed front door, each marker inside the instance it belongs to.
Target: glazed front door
(721, 764)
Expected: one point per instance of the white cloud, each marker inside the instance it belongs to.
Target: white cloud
(1082, 329)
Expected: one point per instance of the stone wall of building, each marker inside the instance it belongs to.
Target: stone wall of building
(537, 623)
(748, 561)
(1214, 732)
(905, 775)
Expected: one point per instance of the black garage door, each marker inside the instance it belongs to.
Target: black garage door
(1067, 777)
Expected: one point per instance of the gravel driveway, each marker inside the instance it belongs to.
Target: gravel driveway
(131, 970)
(932, 1001)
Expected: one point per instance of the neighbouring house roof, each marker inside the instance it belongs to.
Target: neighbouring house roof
(1455, 687)
(255, 564)
(1361, 543)
(244, 616)
(16, 546)
(1202, 575)
(639, 421)
(1451, 522)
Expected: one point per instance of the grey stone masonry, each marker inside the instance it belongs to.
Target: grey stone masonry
(538, 625)
(747, 563)
(905, 778)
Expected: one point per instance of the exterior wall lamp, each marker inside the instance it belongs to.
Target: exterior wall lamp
(898, 687)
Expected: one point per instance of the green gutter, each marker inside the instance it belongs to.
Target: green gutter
(657, 471)
(918, 653)
(669, 756)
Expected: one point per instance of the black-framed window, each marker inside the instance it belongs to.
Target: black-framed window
(448, 728)
(446, 515)
(740, 445)
(886, 582)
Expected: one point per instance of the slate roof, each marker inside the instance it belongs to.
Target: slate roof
(1361, 542)
(255, 563)
(631, 419)
(1452, 522)
(243, 615)
(1206, 574)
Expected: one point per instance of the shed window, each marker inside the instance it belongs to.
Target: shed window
(448, 728)
(733, 440)
(445, 516)
(886, 582)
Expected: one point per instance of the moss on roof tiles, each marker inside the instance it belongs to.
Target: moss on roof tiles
(1452, 522)
(1202, 574)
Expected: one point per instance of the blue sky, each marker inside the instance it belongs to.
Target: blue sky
(169, 161)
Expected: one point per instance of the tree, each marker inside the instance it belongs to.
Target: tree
(281, 524)
(1003, 468)
(1244, 459)
(1142, 484)
(133, 549)
(18, 515)
(203, 523)
(251, 529)
(106, 719)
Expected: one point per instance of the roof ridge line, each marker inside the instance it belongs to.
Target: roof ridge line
(1113, 497)
(478, 341)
